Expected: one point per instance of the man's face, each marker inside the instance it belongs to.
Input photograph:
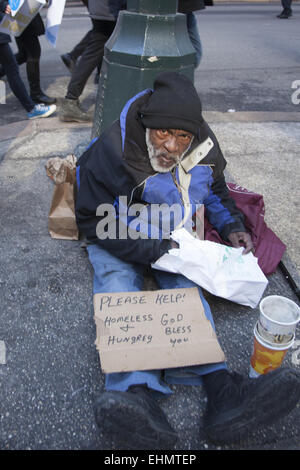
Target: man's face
(166, 147)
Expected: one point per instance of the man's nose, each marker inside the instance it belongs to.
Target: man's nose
(171, 144)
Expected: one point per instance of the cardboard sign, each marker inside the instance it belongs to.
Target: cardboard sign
(153, 330)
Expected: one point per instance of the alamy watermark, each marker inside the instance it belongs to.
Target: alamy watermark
(144, 221)
(2, 92)
(296, 94)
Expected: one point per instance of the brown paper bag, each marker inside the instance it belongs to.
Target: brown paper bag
(61, 219)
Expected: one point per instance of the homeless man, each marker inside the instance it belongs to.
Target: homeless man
(162, 151)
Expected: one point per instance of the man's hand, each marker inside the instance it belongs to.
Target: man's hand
(238, 239)
(7, 10)
(174, 244)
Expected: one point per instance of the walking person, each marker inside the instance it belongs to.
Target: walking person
(70, 58)
(287, 9)
(29, 52)
(104, 17)
(188, 7)
(11, 69)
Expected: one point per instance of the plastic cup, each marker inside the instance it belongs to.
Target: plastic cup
(265, 356)
(273, 338)
(278, 319)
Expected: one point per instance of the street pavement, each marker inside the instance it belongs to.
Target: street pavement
(49, 366)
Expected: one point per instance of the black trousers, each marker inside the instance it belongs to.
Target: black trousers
(80, 47)
(30, 53)
(29, 48)
(91, 57)
(7, 59)
(286, 4)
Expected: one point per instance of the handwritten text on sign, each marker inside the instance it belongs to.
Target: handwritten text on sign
(153, 329)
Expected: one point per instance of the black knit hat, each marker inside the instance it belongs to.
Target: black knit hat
(174, 104)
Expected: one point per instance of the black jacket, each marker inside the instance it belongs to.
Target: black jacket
(117, 164)
(188, 6)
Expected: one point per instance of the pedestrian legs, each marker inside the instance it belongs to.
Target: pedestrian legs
(91, 58)
(287, 9)
(16, 84)
(29, 45)
(192, 28)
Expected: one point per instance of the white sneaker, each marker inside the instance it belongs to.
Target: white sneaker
(41, 111)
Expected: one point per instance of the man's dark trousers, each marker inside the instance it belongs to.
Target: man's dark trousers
(286, 4)
(92, 57)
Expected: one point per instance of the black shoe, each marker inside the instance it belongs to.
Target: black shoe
(42, 98)
(285, 14)
(68, 61)
(134, 419)
(241, 405)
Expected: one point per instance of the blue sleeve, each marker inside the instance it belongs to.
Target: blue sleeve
(221, 210)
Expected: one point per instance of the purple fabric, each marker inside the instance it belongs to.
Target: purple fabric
(269, 249)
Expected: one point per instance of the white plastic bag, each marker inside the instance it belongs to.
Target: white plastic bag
(221, 270)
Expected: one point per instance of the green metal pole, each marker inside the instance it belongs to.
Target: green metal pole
(150, 37)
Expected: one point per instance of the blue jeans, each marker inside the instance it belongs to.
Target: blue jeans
(7, 59)
(115, 275)
(192, 27)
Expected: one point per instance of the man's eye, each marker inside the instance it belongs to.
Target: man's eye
(185, 138)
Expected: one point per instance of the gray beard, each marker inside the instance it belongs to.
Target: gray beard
(153, 154)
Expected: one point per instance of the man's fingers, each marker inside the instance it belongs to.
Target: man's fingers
(246, 241)
(239, 239)
(247, 249)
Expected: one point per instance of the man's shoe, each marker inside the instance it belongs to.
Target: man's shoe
(285, 14)
(242, 405)
(68, 61)
(134, 419)
(41, 111)
(71, 112)
(42, 98)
